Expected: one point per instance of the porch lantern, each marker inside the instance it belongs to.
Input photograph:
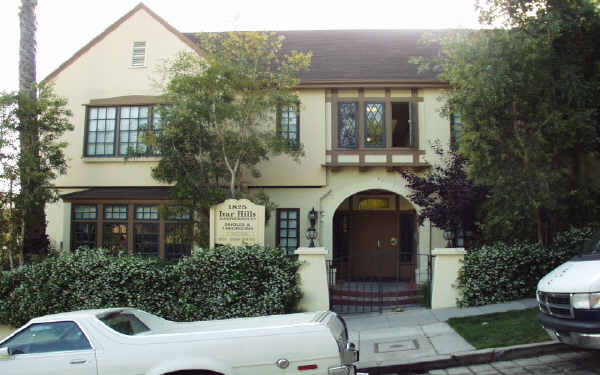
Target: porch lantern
(449, 237)
(311, 232)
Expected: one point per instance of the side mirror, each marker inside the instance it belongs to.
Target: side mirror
(5, 353)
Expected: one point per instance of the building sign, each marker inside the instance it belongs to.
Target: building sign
(237, 222)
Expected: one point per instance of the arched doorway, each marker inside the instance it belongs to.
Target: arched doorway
(374, 253)
(374, 232)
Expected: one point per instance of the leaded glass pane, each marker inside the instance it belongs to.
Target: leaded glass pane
(129, 128)
(179, 238)
(147, 239)
(115, 236)
(84, 234)
(347, 124)
(115, 212)
(85, 212)
(374, 125)
(146, 213)
(100, 131)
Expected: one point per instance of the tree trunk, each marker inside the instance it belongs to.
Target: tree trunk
(34, 239)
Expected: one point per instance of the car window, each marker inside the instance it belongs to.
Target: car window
(592, 246)
(125, 323)
(48, 337)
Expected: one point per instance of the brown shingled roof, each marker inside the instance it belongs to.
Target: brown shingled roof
(118, 193)
(360, 55)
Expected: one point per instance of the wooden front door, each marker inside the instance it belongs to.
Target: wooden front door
(374, 245)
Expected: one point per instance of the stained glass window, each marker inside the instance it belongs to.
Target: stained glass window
(374, 125)
(347, 124)
(101, 131)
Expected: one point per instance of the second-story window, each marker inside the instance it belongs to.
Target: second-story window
(348, 124)
(118, 131)
(403, 134)
(375, 125)
(289, 123)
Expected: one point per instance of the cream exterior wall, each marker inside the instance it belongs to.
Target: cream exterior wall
(282, 170)
(103, 72)
(313, 279)
(446, 265)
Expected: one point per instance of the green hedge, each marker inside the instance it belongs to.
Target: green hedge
(210, 284)
(504, 272)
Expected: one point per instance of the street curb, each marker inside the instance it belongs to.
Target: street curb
(476, 357)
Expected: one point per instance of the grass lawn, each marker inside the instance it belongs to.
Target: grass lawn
(501, 329)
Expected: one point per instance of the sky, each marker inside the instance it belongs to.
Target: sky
(65, 26)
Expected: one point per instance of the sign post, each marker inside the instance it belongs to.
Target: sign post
(237, 222)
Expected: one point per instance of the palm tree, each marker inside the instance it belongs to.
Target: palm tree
(33, 217)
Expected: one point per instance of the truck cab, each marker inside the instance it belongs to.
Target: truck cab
(569, 298)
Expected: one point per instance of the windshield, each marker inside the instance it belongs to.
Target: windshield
(592, 247)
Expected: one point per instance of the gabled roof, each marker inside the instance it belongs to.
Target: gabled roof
(360, 55)
(339, 56)
(139, 7)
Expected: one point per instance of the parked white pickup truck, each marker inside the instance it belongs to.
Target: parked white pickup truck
(569, 298)
(132, 342)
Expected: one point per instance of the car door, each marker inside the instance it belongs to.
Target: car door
(56, 348)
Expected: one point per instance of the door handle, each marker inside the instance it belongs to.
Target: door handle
(77, 361)
(378, 244)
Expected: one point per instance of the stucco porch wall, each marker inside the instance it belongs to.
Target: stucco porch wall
(326, 200)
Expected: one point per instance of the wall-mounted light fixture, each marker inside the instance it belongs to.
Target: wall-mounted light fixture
(311, 232)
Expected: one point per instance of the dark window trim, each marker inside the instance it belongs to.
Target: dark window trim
(414, 99)
(279, 118)
(116, 139)
(383, 106)
(158, 216)
(356, 120)
(278, 228)
(130, 221)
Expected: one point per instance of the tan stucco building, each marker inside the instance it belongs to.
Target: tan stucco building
(348, 174)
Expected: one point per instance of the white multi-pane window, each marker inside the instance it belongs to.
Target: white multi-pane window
(118, 131)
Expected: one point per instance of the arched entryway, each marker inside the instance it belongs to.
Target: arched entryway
(374, 233)
(375, 261)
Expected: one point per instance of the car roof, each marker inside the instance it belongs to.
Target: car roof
(76, 314)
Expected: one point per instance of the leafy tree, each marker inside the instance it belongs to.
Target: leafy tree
(219, 121)
(446, 195)
(35, 170)
(528, 97)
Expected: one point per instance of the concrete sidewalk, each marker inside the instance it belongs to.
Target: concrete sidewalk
(415, 335)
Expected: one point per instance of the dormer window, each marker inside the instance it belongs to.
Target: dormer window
(138, 55)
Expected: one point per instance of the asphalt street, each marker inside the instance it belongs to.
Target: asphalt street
(576, 362)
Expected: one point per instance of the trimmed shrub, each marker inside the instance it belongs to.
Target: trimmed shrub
(210, 284)
(504, 272)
